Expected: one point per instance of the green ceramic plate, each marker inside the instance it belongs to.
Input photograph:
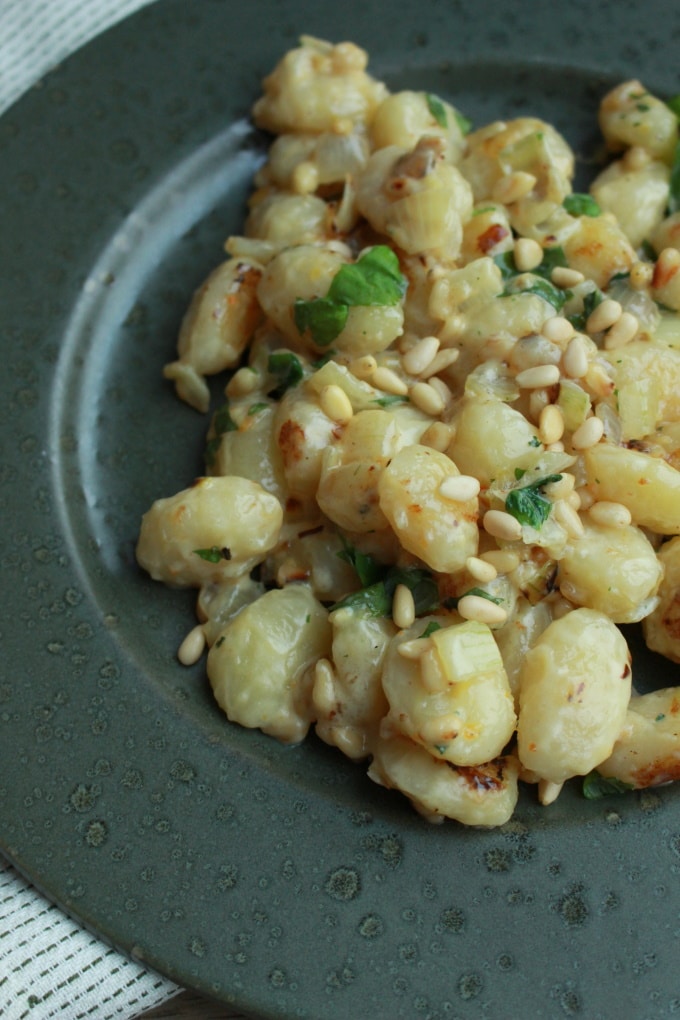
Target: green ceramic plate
(278, 879)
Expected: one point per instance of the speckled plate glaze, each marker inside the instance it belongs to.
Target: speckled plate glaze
(278, 879)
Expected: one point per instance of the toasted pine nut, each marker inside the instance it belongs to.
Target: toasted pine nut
(242, 382)
(575, 360)
(502, 525)
(610, 515)
(441, 388)
(363, 367)
(336, 404)
(323, 692)
(528, 254)
(557, 329)
(588, 434)
(475, 607)
(622, 332)
(403, 607)
(414, 649)
(459, 488)
(441, 361)
(418, 357)
(603, 316)
(305, 178)
(641, 275)
(550, 424)
(388, 380)
(426, 397)
(504, 560)
(480, 569)
(563, 276)
(548, 792)
(561, 489)
(538, 376)
(192, 646)
(512, 187)
(568, 518)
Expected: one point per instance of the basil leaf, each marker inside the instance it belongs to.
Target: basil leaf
(452, 602)
(528, 505)
(552, 258)
(368, 569)
(286, 367)
(214, 554)
(437, 109)
(376, 599)
(580, 204)
(674, 104)
(674, 195)
(541, 287)
(374, 280)
(590, 303)
(325, 319)
(596, 786)
(506, 263)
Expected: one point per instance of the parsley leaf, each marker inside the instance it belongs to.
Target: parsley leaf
(368, 569)
(552, 258)
(529, 283)
(580, 204)
(222, 422)
(528, 505)
(374, 280)
(286, 367)
(590, 303)
(452, 602)
(214, 554)
(437, 109)
(390, 400)
(596, 786)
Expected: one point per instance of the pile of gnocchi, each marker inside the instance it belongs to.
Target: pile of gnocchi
(446, 465)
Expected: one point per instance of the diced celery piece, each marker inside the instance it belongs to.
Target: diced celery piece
(467, 650)
(638, 404)
(574, 403)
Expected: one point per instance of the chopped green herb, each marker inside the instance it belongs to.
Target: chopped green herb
(374, 280)
(453, 600)
(464, 125)
(286, 367)
(368, 569)
(530, 283)
(528, 505)
(323, 360)
(520, 472)
(596, 786)
(674, 194)
(440, 748)
(256, 408)
(642, 107)
(660, 716)
(590, 303)
(484, 209)
(390, 400)
(674, 104)
(308, 617)
(437, 109)
(534, 441)
(214, 554)
(552, 258)
(376, 599)
(431, 628)
(222, 422)
(580, 204)
(647, 251)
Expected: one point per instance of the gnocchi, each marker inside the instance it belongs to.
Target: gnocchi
(446, 465)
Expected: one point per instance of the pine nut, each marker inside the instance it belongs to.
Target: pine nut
(305, 178)
(575, 360)
(561, 489)
(403, 607)
(425, 397)
(641, 275)
(415, 648)
(568, 518)
(442, 389)
(418, 357)
(480, 569)
(537, 377)
(588, 434)
(323, 692)
(622, 332)
(603, 316)
(364, 367)
(512, 187)
(555, 447)
(475, 607)
(537, 401)
(557, 329)
(441, 361)
(598, 380)
(192, 646)
(504, 560)
(563, 276)
(528, 254)
(459, 488)
(610, 515)
(242, 382)
(548, 792)
(336, 404)
(437, 436)
(574, 500)
(586, 498)
(388, 380)
(502, 525)
(636, 158)
(550, 424)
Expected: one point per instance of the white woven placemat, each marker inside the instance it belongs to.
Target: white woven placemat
(49, 966)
